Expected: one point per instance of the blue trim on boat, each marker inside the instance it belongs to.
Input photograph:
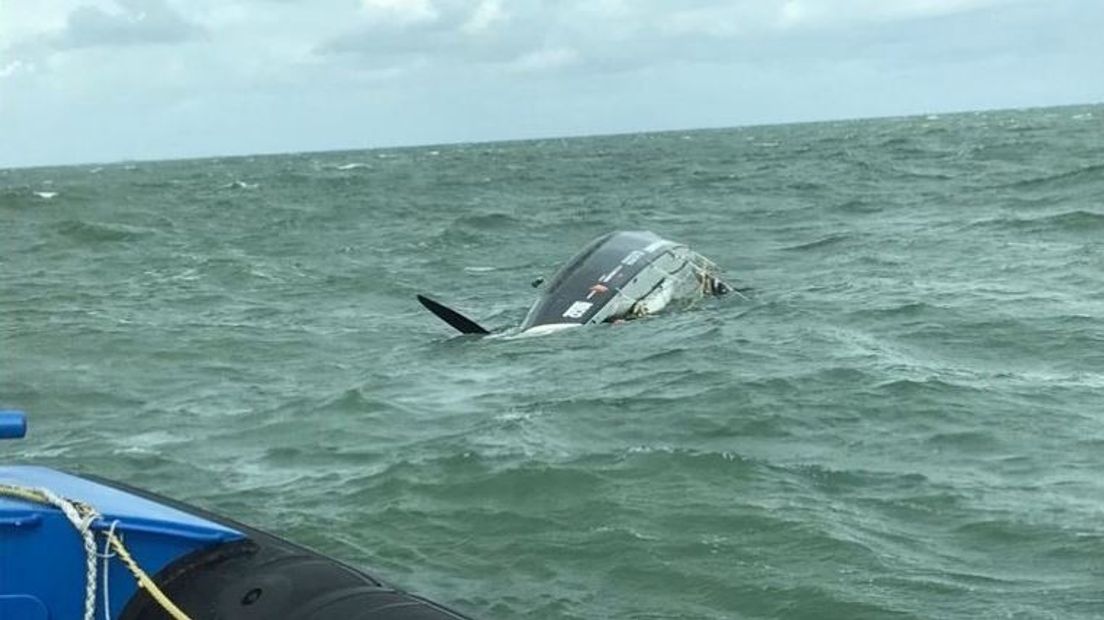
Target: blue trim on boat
(43, 557)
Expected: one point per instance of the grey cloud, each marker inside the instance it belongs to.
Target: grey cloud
(138, 22)
(446, 36)
(609, 36)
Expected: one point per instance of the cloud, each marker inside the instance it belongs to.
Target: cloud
(486, 15)
(447, 33)
(135, 22)
(544, 60)
(15, 67)
(401, 11)
(603, 36)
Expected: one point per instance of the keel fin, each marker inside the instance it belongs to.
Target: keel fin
(459, 322)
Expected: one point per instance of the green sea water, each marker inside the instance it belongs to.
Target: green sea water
(905, 420)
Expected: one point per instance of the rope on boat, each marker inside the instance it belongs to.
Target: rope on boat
(82, 516)
(106, 557)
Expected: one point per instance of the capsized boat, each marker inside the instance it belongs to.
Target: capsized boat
(71, 545)
(619, 276)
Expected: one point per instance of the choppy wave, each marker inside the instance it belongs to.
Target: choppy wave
(823, 242)
(1076, 222)
(1093, 173)
(97, 232)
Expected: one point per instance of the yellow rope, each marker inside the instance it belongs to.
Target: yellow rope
(28, 494)
(143, 579)
(36, 496)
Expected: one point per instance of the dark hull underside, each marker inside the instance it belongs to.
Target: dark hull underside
(264, 576)
(610, 278)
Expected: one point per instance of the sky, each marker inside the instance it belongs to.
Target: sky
(107, 80)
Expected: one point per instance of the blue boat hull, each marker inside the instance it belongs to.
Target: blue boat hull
(209, 566)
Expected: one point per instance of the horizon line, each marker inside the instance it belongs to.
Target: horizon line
(238, 155)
